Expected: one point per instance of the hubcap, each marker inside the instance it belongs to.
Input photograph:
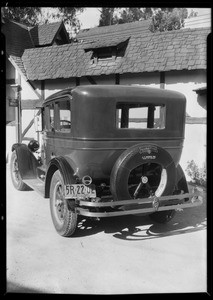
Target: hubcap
(15, 171)
(144, 179)
(59, 201)
(147, 180)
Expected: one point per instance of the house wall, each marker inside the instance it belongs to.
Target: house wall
(103, 79)
(185, 82)
(151, 79)
(53, 86)
(10, 75)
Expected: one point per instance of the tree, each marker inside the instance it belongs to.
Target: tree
(131, 14)
(32, 16)
(161, 19)
(25, 15)
(167, 19)
(106, 17)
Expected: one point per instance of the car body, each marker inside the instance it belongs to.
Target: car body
(108, 150)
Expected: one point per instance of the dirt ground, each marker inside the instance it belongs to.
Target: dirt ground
(125, 255)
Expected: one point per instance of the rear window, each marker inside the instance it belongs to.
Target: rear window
(140, 116)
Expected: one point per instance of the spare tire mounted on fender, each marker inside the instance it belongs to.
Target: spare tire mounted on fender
(141, 171)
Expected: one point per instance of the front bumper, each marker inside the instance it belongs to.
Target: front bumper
(136, 206)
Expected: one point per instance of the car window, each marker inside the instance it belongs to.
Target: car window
(49, 117)
(64, 115)
(57, 116)
(140, 116)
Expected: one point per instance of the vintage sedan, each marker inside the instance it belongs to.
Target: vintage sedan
(107, 151)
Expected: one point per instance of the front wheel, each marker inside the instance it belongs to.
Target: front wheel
(15, 174)
(63, 217)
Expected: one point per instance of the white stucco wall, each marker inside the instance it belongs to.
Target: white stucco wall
(151, 79)
(195, 144)
(53, 86)
(185, 82)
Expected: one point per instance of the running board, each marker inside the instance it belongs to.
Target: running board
(35, 184)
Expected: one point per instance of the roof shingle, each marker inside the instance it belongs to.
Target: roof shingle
(145, 52)
(160, 52)
(44, 34)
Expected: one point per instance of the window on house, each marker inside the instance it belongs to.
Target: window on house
(109, 50)
(140, 116)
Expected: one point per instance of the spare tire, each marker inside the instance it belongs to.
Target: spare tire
(141, 171)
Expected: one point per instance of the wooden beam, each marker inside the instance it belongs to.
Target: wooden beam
(31, 104)
(30, 124)
(34, 89)
(77, 81)
(117, 78)
(91, 80)
(43, 90)
(195, 120)
(19, 114)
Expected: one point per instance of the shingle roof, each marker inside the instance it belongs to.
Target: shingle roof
(118, 30)
(101, 43)
(45, 34)
(19, 37)
(147, 52)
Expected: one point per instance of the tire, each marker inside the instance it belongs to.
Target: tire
(63, 217)
(181, 185)
(148, 168)
(15, 174)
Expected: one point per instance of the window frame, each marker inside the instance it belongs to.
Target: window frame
(124, 120)
(55, 104)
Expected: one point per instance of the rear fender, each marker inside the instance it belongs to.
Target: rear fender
(61, 164)
(181, 183)
(27, 162)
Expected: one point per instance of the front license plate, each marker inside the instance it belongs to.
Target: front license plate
(80, 190)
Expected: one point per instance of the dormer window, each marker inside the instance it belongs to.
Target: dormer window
(107, 50)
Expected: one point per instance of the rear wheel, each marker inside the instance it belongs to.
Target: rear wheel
(15, 174)
(63, 216)
(143, 171)
(149, 180)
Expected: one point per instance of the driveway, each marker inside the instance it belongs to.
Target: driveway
(124, 255)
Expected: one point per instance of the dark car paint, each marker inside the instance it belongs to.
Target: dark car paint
(94, 143)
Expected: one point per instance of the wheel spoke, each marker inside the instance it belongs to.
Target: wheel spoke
(137, 189)
(59, 201)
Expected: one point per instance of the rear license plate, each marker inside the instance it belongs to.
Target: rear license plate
(80, 190)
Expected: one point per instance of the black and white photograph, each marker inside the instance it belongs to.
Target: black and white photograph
(106, 149)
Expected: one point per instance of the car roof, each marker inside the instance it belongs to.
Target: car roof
(115, 91)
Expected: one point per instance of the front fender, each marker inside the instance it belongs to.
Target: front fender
(61, 164)
(27, 162)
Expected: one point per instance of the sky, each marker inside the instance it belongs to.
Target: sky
(90, 17)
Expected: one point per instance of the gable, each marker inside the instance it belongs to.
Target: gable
(46, 34)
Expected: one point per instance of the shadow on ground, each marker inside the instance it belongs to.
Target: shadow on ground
(134, 227)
